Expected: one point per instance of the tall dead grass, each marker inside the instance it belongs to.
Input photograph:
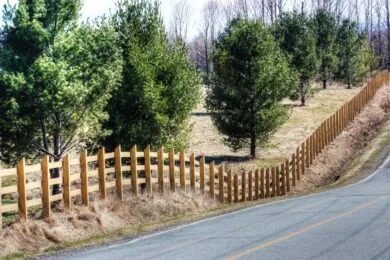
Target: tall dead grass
(100, 217)
(338, 156)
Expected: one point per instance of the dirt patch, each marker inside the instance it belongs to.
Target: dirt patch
(338, 156)
(100, 217)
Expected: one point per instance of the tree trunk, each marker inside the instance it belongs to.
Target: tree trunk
(303, 100)
(324, 83)
(253, 145)
(55, 173)
(349, 82)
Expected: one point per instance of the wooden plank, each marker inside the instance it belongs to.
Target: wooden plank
(172, 169)
(221, 183)
(304, 155)
(230, 187)
(257, 189)
(243, 186)
(66, 182)
(148, 171)
(8, 172)
(293, 170)
(212, 180)
(118, 172)
(10, 208)
(267, 184)
(134, 171)
(161, 170)
(250, 186)
(102, 173)
(182, 171)
(84, 178)
(192, 171)
(202, 173)
(22, 201)
(46, 210)
(33, 185)
(32, 168)
(235, 188)
(34, 202)
(262, 186)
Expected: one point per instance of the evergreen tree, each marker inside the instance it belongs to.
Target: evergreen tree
(55, 81)
(326, 30)
(159, 87)
(297, 40)
(354, 53)
(250, 79)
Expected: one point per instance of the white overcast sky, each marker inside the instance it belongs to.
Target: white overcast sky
(94, 8)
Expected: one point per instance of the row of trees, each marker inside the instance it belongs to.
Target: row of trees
(370, 18)
(66, 85)
(256, 66)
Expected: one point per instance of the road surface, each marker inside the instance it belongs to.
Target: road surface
(348, 223)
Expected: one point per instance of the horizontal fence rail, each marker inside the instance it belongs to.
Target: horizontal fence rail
(93, 176)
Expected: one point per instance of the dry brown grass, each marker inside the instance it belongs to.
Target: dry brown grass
(303, 121)
(337, 157)
(100, 217)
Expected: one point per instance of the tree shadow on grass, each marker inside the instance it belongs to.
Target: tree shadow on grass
(226, 158)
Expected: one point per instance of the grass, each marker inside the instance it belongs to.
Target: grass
(303, 121)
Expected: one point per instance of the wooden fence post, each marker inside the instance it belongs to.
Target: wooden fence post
(273, 182)
(243, 186)
(148, 171)
(66, 183)
(221, 183)
(235, 188)
(160, 155)
(45, 182)
(118, 172)
(102, 173)
(257, 184)
(303, 158)
(230, 187)
(171, 156)
(133, 169)
(84, 178)
(22, 190)
(262, 186)
(202, 174)
(250, 186)
(212, 180)
(298, 167)
(267, 184)
(192, 171)
(182, 171)
(283, 180)
(293, 169)
(287, 168)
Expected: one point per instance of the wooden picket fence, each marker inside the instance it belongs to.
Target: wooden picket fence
(97, 175)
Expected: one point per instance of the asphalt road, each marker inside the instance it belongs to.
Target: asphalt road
(348, 223)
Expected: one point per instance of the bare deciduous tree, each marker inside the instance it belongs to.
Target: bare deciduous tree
(179, 20)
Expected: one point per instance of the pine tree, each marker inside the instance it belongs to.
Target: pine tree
(250, 79)
(325, 29)
(297, 41)
(159, 86)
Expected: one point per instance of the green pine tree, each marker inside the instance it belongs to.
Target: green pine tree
(250, 79)
(159, 87)
(297, 41)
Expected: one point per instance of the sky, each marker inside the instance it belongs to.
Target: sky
(95, 8)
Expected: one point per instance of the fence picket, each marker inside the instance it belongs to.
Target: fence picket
(148, 172)
(45, 184)
(84, 178)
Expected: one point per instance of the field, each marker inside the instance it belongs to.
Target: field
(205, 138)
